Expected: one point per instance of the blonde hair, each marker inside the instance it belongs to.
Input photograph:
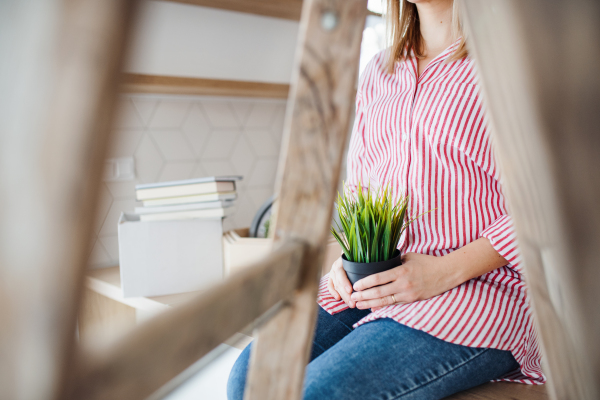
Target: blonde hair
(404, 32)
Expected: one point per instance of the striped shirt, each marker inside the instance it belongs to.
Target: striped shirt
(428, 137)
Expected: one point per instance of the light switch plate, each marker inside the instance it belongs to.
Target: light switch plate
(119, 169)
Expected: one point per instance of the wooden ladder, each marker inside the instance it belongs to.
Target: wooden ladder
(59, 76)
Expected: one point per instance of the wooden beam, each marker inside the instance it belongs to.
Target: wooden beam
(503, 391)
(538, 62)
(316, 129)
(163, 347)
(59, 76)
(102, 319)
(287, 9)
(140, 83)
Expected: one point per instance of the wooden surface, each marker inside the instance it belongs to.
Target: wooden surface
(538, 61)
(107, 282)
(503, 391)
(164, 346)
(59, 74)
(315, 133)
(140, 83)
(102, 319)
(238, 251)
(288, 9)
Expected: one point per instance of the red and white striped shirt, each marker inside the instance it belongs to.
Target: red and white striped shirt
(428, 137)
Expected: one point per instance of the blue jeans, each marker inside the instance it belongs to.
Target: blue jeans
(383, 359)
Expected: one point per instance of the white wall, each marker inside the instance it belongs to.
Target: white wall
(182, 137)
(185, 40)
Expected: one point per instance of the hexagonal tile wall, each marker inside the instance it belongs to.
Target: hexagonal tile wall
(243, 157)
(173, 145)
(145, 107)
(220, 114)
(175, 171)
(169, 114)
(220, 144)
(196, 128)
(262, 143)
(148, 160)
(181, 137)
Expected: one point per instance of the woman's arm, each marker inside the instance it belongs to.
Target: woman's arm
(421, 276)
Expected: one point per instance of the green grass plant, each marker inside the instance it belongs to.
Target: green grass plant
(371, 224)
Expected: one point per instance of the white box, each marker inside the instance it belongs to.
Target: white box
(168, 257)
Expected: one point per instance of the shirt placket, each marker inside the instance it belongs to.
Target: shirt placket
(417, 81)
(407, 147)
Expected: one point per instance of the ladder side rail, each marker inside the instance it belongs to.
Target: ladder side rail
(59, 74)
(319, 111)
(538, 66)
(164, 346)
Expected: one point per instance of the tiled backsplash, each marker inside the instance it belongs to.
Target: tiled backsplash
(176, 137)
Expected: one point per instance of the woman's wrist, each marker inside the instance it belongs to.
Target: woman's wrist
(451, 271)
(473, 260)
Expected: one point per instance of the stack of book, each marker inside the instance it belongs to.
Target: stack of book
(210, 197)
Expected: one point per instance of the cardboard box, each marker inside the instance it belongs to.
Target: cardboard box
(239, 251)
(168, 257)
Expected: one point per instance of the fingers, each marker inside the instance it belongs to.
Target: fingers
(374, 293)
(343, 280)
(340, 276)
(342, 285)
(332, 290)
(375, 280)
(376, 303)
(331, 281)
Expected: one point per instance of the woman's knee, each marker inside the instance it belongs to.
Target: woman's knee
(237, 377)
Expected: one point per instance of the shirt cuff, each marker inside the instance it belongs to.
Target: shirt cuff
(502, 236)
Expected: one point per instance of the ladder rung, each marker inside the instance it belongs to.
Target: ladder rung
(176, 339)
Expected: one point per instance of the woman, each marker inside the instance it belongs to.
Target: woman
(455, 314)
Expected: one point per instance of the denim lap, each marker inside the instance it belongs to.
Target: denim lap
(387, 360)
(330, 330)
(383, 359)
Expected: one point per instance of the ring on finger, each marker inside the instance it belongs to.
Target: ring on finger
(393, 300)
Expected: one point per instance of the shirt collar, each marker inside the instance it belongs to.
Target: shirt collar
(439, 58)
(448, 52)
(444, 54)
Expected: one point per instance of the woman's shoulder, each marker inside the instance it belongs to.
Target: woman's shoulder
(376, 68)
(378, 64)
(379, 58)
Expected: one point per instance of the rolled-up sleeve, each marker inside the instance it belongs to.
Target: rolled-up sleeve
(502, 236)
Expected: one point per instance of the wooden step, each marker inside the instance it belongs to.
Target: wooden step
(503, 391)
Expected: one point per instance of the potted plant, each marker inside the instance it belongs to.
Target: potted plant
(371, 226)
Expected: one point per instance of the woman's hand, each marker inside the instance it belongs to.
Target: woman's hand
(419, 277)
(422, 277)
(339, 285)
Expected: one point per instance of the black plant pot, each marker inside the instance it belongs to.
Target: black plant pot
(356, 270)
